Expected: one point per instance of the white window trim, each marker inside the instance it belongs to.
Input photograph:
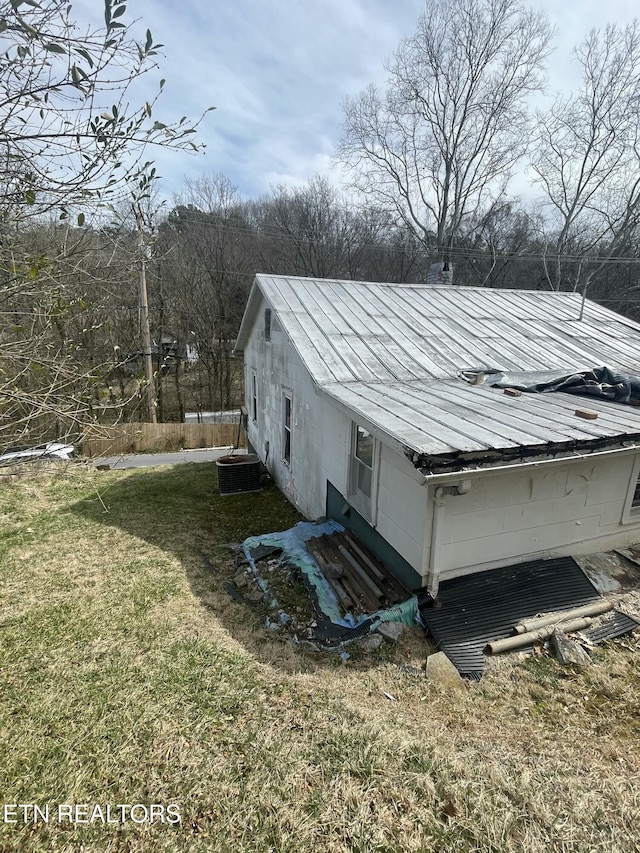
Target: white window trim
(630, 513)
(366, 506)
(287, 394)
(253, 378)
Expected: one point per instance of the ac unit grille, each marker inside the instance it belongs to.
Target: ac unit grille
(237, 474)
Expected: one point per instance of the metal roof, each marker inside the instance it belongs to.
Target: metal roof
(347, 331)
(450, 417)
(391, 354)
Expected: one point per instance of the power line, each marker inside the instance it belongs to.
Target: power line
(272, 233)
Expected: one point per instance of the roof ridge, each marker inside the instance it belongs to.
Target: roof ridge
(418, 285)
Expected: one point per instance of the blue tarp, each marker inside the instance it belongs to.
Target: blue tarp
(295, 552)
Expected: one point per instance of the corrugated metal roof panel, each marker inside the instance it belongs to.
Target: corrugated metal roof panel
(436, 331)
(391, 354)
(429, 417)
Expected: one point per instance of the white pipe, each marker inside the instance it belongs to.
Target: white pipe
(596, 609)
(510, 643)
(430, 557)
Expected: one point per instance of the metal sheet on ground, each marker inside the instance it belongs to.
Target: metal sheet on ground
(475, 609)
(614, 625)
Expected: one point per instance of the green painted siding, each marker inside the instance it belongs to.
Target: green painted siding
(339, 509)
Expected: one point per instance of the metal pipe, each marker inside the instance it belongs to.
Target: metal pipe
(596, 609)
(431, 570)
(362, 602)
(510, 643)
(376, 571)
(340, 591)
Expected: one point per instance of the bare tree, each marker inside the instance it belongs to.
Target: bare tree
(587, 158)
(439, 144)
(70, 138)
(501, 249)
(205, 274)
(308, 230)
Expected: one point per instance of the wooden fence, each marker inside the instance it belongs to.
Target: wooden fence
(152, 438)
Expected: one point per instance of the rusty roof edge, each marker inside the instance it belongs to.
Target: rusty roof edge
(471, 465)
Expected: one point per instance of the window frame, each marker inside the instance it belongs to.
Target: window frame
(363, 502)
(631, 512)
(287, 425)
(254, 397)
(267, 324)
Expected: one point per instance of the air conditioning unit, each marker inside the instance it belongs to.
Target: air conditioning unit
(237, 474)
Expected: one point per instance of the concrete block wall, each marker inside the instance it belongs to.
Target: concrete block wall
(555, 510)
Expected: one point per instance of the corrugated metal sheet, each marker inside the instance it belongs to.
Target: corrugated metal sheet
(613, 625)
(447, 417)
(475, 609)
(405, 331)
(391, 353)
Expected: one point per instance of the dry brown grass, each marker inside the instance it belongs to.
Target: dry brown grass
(128, 675)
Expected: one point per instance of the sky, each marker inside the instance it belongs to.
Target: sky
(278, 72)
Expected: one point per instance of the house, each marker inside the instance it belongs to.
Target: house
(375, 404)
(165, 357)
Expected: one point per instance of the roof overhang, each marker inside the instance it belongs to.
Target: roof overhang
(449, 426)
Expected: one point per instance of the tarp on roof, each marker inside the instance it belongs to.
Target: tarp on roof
(600, 382)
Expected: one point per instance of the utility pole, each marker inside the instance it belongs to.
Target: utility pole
(145, 334)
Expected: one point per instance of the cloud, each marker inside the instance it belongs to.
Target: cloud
(278, 73)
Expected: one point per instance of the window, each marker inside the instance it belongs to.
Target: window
(362, 472)
(286, 427)
(254, 397)
(362, 461)
(267, 324)
(631, 512)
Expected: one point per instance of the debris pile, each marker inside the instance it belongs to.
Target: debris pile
(543, 627)
(478, 612)
(361, 583)
(320, 585)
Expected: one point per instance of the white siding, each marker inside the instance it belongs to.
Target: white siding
(572, 508)
(402, 508)
(319, 435)
(556, 509)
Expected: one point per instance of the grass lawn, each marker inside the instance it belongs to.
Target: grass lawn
(129, 676)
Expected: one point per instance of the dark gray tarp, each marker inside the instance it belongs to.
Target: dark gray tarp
(600, 382)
